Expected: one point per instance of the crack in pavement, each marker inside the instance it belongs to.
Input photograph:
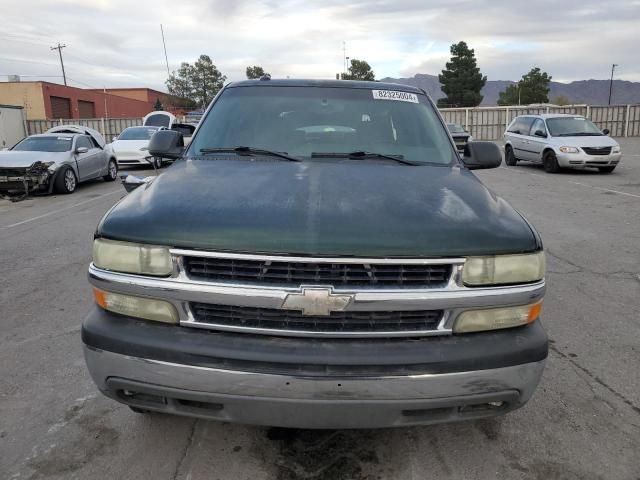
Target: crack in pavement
(582, 269)
(184, 453)
(596, 379)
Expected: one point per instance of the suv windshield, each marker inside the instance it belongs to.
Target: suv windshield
(44, 144)
(572, 126)
(302, 121)
(137, 133)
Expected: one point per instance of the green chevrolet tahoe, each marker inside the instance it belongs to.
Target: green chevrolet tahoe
(319, 256)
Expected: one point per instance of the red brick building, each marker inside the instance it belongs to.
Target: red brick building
(46, 100)
(151, 96)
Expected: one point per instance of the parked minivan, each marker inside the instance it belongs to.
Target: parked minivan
(560, 141)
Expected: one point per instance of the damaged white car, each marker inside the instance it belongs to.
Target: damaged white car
(56, 161)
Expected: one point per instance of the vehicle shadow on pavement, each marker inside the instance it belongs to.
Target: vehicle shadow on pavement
(536, 168)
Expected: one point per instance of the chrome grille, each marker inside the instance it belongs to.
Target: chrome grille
(270, 320)
(296, 273)
(597, 150)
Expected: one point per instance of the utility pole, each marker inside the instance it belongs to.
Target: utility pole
(613, 67)
(344, 59)
(59, 48)
(166, 59)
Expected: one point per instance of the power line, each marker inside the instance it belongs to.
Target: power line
(59, 48)
(27, 61)
(14, 38)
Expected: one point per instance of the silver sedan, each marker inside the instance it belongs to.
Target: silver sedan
(57, 160)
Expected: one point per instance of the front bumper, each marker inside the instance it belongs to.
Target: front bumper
(299, 402)
(582, 160)
(12, 182)
(303, 383)
(133, 159)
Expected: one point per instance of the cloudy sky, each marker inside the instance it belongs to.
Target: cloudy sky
(117, 42)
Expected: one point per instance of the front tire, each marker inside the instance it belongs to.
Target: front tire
(510, 157)
(607, 169)
(550, 162)
(66, 181)
(112, 171)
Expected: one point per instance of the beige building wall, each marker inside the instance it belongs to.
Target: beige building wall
(25, 94)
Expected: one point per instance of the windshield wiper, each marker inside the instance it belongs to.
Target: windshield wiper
(580, 134)
(248, 151)
(361, 155)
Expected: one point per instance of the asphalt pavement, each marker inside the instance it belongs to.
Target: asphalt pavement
(582, 423)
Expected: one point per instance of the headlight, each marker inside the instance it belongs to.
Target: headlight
(146, 308)
(496, 318)
(569, 149)
(503, 269)
(131, 258)
(615, 149)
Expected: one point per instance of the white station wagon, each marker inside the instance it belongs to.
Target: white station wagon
(560, 141)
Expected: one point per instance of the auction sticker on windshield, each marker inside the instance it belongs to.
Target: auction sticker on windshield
(395, 95)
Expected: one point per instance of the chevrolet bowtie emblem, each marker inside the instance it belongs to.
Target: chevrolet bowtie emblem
(316, 301)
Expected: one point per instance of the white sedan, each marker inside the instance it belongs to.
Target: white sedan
(131, 147)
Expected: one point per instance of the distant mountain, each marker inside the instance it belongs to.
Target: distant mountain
(592, 92)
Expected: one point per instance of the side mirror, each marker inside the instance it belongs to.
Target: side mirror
(166, 144)
(82, 150)
(606, 131)
(481, 155)
(115, 138)
(540, 133)
(131, 182)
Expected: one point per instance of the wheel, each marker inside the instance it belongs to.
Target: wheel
(509, 157)
(139, 410)
(157, 162)
(66, 181)
(112, 171)
(550, 162)
(607, 169)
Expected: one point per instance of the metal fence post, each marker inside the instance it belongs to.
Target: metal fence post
(61, 122)
(466, 119)
(626, 122)
(588, 111)
(506, 118)
(104, 132)
(25, 124)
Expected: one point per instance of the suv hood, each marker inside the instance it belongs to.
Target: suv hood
(585, 141)
(352, 208)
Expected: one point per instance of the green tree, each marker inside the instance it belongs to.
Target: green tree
(359, 70)
(561, 100)
(255, 72)
(196, 84)
(532, 88)
(207, 80)
(462, 80)
(158, 104)
(180, 83)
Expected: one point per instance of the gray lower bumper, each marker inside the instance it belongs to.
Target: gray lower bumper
(302, 402)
